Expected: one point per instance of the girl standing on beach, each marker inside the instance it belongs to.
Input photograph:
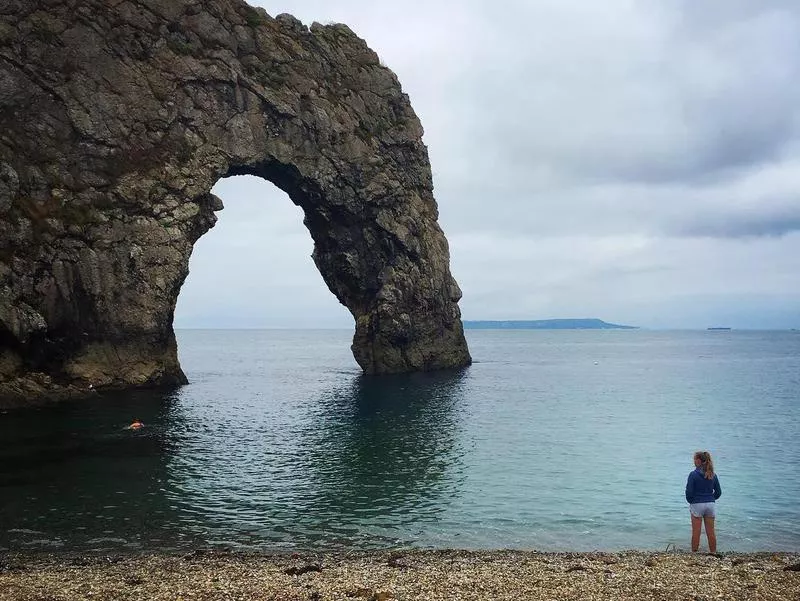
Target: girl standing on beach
(702, 489)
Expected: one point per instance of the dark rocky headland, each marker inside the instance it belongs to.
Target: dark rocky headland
(546, 324)
(117, 118)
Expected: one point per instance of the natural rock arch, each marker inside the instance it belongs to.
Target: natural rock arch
(116, 119)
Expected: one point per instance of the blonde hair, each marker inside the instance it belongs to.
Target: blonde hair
(706, 464)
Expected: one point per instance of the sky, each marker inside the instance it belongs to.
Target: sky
(638, 162)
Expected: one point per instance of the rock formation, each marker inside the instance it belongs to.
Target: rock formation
(118, 117)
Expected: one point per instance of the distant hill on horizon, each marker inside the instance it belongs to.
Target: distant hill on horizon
(545, 324)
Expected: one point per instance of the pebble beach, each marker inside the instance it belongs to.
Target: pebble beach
(418, 575)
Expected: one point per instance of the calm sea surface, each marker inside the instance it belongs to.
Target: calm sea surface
(552, 440)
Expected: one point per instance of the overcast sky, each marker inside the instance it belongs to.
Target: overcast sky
(633, 161)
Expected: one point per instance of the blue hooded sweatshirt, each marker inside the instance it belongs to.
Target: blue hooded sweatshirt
(700, 489)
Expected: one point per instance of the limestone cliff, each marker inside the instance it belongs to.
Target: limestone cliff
(118, 117)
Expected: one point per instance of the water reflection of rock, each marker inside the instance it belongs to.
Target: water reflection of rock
(384, 457)
(71, 477)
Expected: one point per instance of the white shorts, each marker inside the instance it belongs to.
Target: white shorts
(703, 510)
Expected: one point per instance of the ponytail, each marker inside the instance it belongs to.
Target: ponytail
(707, 464)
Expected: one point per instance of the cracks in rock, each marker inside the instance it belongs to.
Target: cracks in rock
(144, 8)
(34, 78)
(233, 116)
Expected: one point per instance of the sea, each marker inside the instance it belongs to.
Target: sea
(569, 440)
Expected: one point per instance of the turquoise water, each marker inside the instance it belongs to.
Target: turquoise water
(552, 440)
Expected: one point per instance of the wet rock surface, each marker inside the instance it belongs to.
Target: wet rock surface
(117, 119)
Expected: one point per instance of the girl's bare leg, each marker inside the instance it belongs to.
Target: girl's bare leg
(696, 524)
(710, 534)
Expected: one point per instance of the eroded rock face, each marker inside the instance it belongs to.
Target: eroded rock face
(117, 118)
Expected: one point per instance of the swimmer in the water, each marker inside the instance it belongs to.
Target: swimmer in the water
(136, 425)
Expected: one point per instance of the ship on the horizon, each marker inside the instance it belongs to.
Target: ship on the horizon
(717, 328)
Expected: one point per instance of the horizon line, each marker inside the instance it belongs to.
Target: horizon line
(651, 329)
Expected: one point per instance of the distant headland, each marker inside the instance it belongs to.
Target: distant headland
(546, 324)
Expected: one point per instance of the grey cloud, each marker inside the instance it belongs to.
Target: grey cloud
(703, 16)
(718, 210)
(723, 226)
(667, 106)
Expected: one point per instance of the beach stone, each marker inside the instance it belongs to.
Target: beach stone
(398, 561)
(300, 570)
(362, 592)
(119, 118)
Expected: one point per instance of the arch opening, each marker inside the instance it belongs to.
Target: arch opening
(253, 269)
